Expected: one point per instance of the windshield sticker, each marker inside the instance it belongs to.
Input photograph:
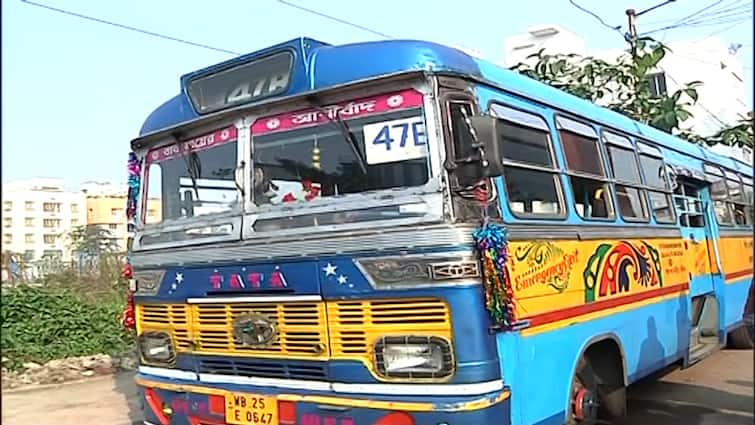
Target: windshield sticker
(395, 141)
(195, 144)
(357, 108)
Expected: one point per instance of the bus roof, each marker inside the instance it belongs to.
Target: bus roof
(318, 65)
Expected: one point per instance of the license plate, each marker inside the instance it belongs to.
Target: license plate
(250, 409)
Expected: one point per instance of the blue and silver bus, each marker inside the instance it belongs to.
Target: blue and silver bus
(398, 233)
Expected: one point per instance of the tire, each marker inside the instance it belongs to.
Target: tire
(584, 384)
(742, 337)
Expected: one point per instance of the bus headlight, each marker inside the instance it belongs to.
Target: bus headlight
(156, 347)
(414, 357)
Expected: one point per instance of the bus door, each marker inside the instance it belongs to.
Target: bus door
(697, 235)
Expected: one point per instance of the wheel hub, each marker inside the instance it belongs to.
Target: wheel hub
(585, 406)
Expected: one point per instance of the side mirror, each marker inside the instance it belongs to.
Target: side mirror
(486, 129)
(478, 153)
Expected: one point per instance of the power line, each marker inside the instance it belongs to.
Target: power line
(732, 12)
(130, 28)
(616, 28)
(335, 19)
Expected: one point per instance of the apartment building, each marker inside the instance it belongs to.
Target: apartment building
(106, 208)
(37, 216)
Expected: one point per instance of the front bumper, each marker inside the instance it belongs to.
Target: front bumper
(192, 403)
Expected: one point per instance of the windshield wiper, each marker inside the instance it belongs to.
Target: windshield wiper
(194, 169)
(345, 132)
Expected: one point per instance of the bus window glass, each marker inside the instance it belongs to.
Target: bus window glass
(532, 184)
(592, 198)
(717, 182)
(653, 171)
(624, 165)
(579, 141)
(524, 137)
(154, 186)
(735, 189)
(580, 146)
(193, 179)
(747, 187)
(389, 150)
(631, 203)
(723, 213)
(532, 192)
(661, 206)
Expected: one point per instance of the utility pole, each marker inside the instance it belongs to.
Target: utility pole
(632, 16)
(632, 35)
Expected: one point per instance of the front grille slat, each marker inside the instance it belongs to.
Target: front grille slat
(263, 368)
(307, 331)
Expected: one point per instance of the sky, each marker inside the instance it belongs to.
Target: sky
(75, 92)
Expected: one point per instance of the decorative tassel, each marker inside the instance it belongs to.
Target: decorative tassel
(492, 244)
(128, 317)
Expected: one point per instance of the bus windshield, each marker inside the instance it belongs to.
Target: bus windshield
(363, 146)
(194, 177)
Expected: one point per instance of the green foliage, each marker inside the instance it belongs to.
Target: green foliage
(44, 323)
(92, 240)
(624, 86)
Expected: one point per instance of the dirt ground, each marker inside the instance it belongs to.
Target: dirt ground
(717, 391)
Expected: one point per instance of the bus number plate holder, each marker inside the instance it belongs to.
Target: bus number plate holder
(250, 409)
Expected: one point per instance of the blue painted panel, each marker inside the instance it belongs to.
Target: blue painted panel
(539, 368)
(734, 299)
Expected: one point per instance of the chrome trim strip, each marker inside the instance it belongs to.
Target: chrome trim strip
(339, 387)
(320, 244)
(724, 231)
(521, 231)
(421, 389)
(168, 373)
(371, 241)
(261, 299)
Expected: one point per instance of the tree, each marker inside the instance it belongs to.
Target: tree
(624, 86)
(91, 240)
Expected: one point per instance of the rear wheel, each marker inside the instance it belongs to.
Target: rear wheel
(742, 337)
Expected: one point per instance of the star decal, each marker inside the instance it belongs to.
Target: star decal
(179, 278)
(330, 270)
(342, 279)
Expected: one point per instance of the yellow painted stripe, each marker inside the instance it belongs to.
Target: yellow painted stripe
(477, 404)
(598, 314)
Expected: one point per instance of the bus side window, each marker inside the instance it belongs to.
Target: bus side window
(625, 170)
(531, 178)
(584, 163)
(737, 199)
(748, 204)
(719, 193)
(654, 174)
(689, 205)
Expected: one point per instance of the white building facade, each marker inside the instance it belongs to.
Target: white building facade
(722, 96)
(37, 216)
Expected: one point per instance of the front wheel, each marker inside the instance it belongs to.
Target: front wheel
(584, 396)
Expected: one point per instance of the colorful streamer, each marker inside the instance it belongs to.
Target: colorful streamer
(492, 244)
(128, 318)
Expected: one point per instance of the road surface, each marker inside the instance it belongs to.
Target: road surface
(717, 391)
